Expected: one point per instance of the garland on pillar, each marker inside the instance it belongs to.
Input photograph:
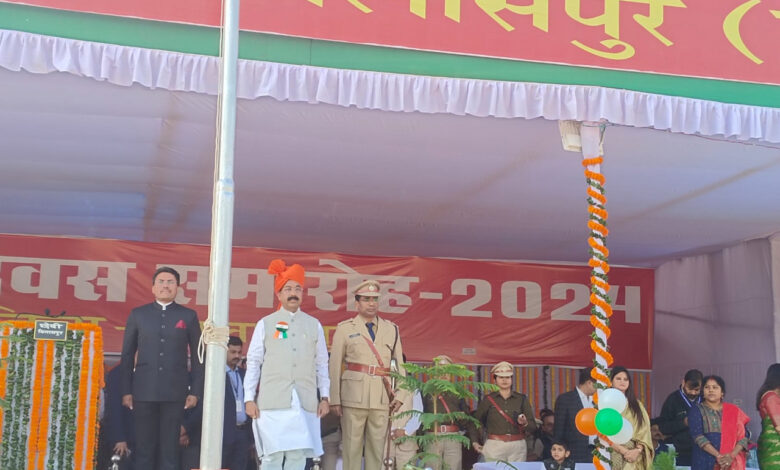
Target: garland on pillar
(601, 305)
(51, 389)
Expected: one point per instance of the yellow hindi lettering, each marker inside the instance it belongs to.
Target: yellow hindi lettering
(655, 17)
(451, 8)
(360, 6)
(626, 52)
(609, 19)
(539, 9)
(731, 28)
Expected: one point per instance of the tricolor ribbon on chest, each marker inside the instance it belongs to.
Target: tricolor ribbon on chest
(281, 330)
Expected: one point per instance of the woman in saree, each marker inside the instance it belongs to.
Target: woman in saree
(768, 404)
(636, 454)
(718, 430)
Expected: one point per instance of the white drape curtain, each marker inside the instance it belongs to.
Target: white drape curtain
(716, 313)
(122, 65)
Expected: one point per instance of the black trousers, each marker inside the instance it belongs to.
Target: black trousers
(235, 454)
(157, 426)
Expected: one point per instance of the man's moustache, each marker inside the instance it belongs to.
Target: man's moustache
(293, 298)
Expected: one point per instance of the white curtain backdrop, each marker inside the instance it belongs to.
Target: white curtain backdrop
(715, 313)
(126, 66)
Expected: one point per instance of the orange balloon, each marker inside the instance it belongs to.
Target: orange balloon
(586, 421)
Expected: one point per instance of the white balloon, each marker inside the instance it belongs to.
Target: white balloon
(625, 433)
(612, 398)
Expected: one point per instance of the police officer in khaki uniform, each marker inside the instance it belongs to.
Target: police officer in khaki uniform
(404, 452)
(361, 391)
(507, 417)
(449, 451)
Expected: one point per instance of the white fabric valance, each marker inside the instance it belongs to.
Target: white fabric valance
(122, 65)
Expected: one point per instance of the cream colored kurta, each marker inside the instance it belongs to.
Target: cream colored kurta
(292, 428)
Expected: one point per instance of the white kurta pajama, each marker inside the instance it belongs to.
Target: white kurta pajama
(293, 428)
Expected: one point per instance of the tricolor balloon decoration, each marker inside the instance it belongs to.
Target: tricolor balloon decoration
(606, 422)
(601, 308)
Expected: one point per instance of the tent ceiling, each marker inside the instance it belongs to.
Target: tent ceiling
(90, 158)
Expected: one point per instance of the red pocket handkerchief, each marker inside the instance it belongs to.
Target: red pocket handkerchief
(181, 324)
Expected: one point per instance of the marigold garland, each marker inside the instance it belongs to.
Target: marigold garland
(82, 412)
(599, 283)
(5, 346)
(72, 359)
(35, 409)
(597, 196)
(600, 248)
(47, 369)
(601, 308)
(59, 378)
(13, 442)
(46, 401)
(97, 382)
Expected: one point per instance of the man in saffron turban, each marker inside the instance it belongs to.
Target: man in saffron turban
(288, 357)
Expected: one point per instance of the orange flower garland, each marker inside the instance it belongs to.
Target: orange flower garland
(5, 346)
(46, 401)
(35, 412)
(90, 383)
(601, 308)
(96, 382)
(82, 412)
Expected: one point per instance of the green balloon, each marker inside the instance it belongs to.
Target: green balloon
(608, 422)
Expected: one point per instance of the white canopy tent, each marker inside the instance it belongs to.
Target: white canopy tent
(117, 142)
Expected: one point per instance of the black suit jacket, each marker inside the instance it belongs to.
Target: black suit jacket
(230, 430)
(671, 422)
(193, 417)
(161, 339)
(566, 407)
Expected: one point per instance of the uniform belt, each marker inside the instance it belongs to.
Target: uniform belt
(445, 428)
(370, 370)
(506, 437)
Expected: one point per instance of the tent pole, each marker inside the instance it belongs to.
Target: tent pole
(221, 242)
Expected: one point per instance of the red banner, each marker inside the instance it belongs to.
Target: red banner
(474, 311)
(728, 39)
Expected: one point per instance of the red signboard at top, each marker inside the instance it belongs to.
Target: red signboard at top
(726, 39)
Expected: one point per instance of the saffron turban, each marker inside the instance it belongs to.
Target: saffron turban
(284, 273)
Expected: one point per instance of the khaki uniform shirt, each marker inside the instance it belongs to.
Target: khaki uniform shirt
(454, 404)
(358, 389)
(494, 423)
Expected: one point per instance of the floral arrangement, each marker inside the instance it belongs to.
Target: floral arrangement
(50, 391)
(432, 381)
(601, 305)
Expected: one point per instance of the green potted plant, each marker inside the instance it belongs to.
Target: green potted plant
(432, 381)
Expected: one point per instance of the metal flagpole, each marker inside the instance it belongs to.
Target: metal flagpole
(221, 244)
